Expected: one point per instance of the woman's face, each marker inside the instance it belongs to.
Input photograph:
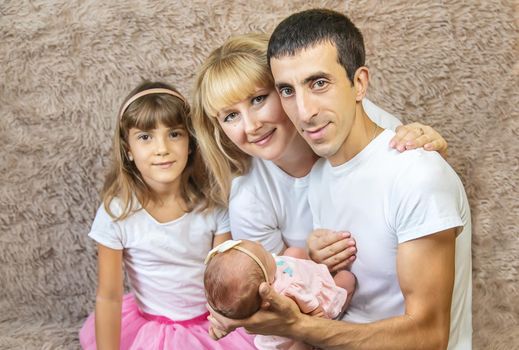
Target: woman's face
(258, 125)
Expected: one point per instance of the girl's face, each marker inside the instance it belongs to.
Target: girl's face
(258, 125)
(160, 154)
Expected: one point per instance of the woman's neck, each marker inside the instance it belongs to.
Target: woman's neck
(298, 159)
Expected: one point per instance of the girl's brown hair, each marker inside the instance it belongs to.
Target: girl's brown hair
(124, 180)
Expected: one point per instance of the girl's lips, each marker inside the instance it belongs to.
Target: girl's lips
(164, 165)
(264, 139)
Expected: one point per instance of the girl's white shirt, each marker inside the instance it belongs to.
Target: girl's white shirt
(164, 261)
(270, 206)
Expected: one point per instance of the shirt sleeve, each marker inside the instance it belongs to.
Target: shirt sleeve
(105, 231)
(222, 221)
(428, 198)
(382, 118)
(254, 219)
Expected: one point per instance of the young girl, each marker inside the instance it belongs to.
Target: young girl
(235, 269)
(156, 220)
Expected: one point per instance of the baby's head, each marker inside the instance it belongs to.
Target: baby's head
(233, 275)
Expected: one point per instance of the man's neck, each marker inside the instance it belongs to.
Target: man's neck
(363, 131)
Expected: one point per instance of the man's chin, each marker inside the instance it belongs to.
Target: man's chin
(321, 150)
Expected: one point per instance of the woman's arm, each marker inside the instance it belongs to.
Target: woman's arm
(416, 135)
(109, 298)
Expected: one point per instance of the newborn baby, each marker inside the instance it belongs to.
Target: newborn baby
(235, 269)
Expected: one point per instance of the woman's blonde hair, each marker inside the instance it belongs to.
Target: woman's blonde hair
(230, 74)
(124, 181)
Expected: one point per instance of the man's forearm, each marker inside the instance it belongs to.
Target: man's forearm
(401, 332)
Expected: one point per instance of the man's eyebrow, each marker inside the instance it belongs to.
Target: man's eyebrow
(315, 76)
(282, 85)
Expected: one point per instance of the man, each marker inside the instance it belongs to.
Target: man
(407, 211)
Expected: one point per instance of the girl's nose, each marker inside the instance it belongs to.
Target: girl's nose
(161, 147)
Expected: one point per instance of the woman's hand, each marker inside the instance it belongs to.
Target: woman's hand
(416, 135)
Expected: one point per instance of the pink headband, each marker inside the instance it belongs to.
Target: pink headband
(150, 92)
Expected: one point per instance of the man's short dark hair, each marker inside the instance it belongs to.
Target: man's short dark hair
(311, 27)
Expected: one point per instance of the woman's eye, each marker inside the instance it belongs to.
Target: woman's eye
(258, 99)
(230, 117)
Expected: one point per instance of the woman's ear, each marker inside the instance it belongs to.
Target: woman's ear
(360, 83)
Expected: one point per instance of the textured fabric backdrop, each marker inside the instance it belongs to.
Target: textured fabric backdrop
(67, 65)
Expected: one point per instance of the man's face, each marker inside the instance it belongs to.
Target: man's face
(318, 98)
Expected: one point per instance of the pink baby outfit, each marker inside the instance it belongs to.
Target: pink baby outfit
(310, 285)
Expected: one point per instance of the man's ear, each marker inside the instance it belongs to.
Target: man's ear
(360, 83)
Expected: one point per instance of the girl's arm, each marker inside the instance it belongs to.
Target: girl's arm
(109, 298)
(221, 238)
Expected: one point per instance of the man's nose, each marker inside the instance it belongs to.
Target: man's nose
(306, 108)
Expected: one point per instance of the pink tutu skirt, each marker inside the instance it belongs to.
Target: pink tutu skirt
(148, 332)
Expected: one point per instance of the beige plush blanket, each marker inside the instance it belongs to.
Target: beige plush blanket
(66, 65)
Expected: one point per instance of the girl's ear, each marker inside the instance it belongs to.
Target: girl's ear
(130, 157)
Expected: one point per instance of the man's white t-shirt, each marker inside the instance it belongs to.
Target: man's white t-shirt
(164, 261)
(385, 198)
(270, 206)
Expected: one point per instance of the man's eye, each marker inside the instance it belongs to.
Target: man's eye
(320, 83)
(285, 92)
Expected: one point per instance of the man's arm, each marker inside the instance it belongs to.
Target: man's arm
(425, 269)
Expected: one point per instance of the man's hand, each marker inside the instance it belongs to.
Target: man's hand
(317, 312)
(416, 135)
(277, 314)
(219, 326)
(334, 249)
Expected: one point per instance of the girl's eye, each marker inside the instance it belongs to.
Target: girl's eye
(258, 99)
(174, 134)
(285, 92)
(144, 137)
(230, 117)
